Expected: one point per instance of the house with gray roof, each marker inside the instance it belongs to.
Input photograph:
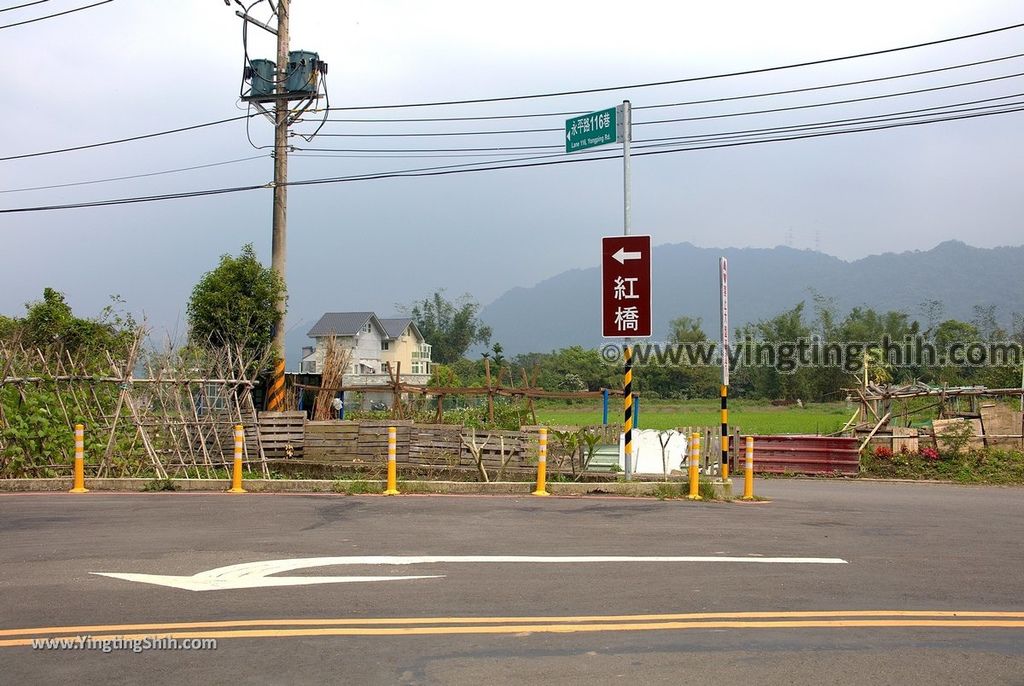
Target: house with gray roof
(373, 343)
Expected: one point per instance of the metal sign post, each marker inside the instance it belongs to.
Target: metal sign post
(626, 312)
(624, 116)
(615, 125)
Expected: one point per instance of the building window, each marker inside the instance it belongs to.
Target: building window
(421, 359)
(368, 328)
(384, 345)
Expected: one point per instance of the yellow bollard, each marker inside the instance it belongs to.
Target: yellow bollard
(748, 474)
(79, 483)
(236, 470)
(542, 463)
(392, 488)
(694, 472)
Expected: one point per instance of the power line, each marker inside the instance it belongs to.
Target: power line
(493, 117)
(641, 143)
(832, 102)
(437, 133)
(476, 167)
(143, 198)
(685, 119)
(445, 171)
(521, 149)
(126, 140)
(843, 84)
(222, 121)
(800, 128)
(691, 79)
(410, 156)
(505, 148)
(51, 16)
(538, 115)
(134, 176)
(27, 4)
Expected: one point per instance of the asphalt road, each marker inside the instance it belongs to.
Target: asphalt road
(929, 591)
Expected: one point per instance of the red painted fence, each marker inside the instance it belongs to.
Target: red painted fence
(805, 455)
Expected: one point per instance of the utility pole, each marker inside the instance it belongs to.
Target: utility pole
(279, 243)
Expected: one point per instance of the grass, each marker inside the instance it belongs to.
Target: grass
(357, 487)
(748, 416)
(160, 485)
(670, 490)
(973, 467)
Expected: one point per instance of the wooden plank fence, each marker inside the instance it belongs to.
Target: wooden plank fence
(281, 430)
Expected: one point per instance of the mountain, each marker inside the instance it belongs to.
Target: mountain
(564, 310)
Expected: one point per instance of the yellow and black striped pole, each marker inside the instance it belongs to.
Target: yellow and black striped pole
(725, 432)
(275, 390)
(79, 480)
(627, 406)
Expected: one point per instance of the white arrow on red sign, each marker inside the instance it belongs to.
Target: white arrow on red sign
(622, 255)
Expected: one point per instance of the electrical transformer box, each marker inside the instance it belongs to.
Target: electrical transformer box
(263, 75)
(303, 72)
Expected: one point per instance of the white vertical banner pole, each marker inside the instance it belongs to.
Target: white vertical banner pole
(723, 272)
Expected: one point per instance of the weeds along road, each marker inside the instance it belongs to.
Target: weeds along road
(852, 583)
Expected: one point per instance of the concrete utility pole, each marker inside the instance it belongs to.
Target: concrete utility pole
(279, 244)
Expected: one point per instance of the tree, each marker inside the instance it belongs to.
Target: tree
(498, 354)
(687, 377)
(948, 334)
(449, 327)
(8, 326)
(50, 322)
(687, 330)
(234, 305)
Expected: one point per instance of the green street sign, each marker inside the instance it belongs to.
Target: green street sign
(590, 130)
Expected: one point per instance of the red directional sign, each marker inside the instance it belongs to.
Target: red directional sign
(626, 286)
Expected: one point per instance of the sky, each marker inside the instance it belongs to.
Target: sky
(132, 67)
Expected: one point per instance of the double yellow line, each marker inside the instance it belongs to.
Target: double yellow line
(433, 626)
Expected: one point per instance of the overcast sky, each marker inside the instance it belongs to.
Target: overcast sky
(138, 66)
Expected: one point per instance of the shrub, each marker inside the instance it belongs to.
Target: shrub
(883, 451)
(930, 453)
(160, 485)
(955, 439)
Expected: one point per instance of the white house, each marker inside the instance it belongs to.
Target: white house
(373, 343)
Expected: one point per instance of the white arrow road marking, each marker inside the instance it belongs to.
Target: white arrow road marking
(255, 574)
(622, 255)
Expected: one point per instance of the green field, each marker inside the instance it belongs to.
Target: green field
(747, 416)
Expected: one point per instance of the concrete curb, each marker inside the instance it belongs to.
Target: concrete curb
(633, 488)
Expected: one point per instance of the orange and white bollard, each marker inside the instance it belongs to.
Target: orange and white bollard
(542, 463)
(748, 474)
(236, 468)
(79, 467)
(694, 471)
(392, 488)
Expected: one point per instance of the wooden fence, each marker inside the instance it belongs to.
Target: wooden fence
(429, 446)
